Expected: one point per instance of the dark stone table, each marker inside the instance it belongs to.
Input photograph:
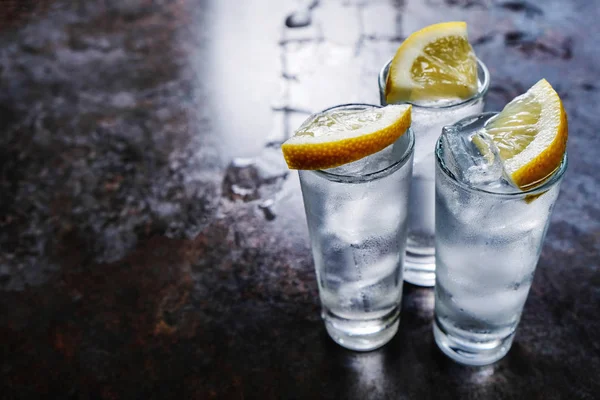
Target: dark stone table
(153, 243)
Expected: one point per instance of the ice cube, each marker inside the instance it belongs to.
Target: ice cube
(487, 168)
(427, 124)
(355, 168)
(464, 159)
(375, 260)
(496, 307)
(355, 221)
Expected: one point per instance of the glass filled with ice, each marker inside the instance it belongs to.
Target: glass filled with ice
(428, 118)
(489, 237)
(357, 221)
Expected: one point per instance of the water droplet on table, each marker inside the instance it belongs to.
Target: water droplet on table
(298, 19)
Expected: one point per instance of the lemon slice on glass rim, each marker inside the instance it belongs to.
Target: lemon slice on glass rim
(436, 62)
(531, 135)
(337, 137)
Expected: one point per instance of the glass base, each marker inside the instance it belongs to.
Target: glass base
(468, 352)
(362, 335)
(419, 269)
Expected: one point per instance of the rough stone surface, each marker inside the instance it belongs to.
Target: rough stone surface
(153, 244)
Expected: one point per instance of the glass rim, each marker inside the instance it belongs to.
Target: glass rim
(544, 186)
(388, 170)
(481, 89)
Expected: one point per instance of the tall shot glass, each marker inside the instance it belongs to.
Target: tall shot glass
(488, 242)
(357, 221)
(427, 122)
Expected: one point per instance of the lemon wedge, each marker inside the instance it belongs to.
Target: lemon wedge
(434, 63)
(337, 137)
(531, 135)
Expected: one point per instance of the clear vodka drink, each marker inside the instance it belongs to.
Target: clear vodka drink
(489, 237)
(427, 122)
(357, 220)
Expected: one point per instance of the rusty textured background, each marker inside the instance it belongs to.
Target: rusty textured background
(153, 244)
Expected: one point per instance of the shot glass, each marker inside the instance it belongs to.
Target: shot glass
(488, 242)
(427, 122)
(357, 221)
